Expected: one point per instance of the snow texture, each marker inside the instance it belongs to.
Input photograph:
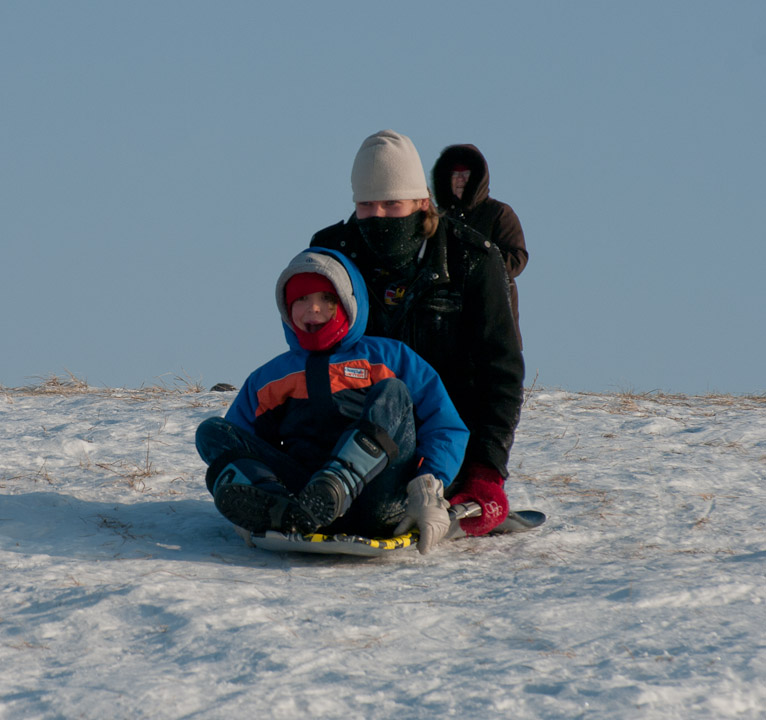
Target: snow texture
(126, 595)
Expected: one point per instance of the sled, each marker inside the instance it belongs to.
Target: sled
(342, 544)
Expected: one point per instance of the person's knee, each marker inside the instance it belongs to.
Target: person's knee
(209, 427)
(390, 398)
(395, 388)
(212, 437)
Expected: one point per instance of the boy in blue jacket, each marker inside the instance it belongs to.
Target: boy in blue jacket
(343, 432)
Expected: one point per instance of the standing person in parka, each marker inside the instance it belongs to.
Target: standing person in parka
(460, 180)
(441, 289)
(343, 432)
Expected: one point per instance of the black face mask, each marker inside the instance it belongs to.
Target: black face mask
(394, 241)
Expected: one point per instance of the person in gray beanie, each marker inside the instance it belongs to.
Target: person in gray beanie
(441, 288)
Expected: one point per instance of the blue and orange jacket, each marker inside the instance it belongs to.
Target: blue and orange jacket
(302, 401)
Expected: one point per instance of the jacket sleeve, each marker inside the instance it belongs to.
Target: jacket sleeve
(509, 237)
(442, 436)
(242, 412)
(497, 364)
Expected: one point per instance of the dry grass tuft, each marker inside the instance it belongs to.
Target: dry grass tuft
(71, 385)
(55, 385)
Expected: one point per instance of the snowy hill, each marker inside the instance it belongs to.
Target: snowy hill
(126, 595)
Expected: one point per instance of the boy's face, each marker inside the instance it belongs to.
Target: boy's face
(311, 312)
(389, 208)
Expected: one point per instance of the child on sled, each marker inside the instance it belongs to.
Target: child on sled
(343, 432)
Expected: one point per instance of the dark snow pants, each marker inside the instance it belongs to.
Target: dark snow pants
(380, 506)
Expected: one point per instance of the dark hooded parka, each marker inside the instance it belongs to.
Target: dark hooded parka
(452, 307)
(494, 219)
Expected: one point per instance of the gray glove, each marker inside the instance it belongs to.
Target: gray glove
(426, 510)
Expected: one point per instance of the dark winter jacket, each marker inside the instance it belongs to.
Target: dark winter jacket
(302, 401)
(455, 312)
(492, 218)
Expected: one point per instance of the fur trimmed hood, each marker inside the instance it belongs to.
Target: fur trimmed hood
(477, 187)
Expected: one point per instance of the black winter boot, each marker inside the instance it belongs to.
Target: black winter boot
(356, 460)
(248, 494)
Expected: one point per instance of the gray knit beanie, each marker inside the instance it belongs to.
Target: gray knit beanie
(388, 167)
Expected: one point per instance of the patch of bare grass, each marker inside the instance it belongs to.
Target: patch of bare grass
(70, 384)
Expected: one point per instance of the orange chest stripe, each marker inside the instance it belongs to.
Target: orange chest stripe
(351, 375)
(277, 392)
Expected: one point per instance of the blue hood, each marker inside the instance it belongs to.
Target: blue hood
(349, 285)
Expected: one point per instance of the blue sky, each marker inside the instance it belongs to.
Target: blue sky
(162, 161)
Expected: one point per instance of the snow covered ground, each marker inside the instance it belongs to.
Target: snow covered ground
(125, 594)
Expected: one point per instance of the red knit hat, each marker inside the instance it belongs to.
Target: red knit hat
(305, 284)
(459, 167)
(335, 330)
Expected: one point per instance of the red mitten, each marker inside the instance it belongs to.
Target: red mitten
(483, 485)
